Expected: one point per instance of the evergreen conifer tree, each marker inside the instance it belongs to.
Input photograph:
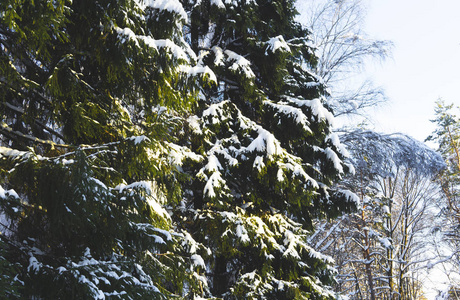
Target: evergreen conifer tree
(94, 159)
(91, 93)
(269, 156)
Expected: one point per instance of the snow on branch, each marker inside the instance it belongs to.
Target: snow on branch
(239, 63)
(384, 153)
(277, 44)
(319, 112)
(295, 113)
(173, 6)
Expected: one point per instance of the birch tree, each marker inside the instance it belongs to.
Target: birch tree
(344, 49)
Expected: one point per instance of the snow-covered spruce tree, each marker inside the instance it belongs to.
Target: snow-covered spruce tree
(90, 94)
(269, 156)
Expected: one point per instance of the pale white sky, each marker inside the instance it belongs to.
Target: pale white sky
(425, 64)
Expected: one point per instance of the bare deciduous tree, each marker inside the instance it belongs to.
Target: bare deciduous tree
(379, 250)
(343, 49)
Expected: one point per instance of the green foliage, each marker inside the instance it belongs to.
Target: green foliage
(10, 285)
(447, 135)
(86, 239)
(118, 114)
(90, 221)
(269, 156)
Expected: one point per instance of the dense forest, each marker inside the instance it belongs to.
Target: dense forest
(182, 149)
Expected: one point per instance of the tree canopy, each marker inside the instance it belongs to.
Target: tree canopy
(163, 149)
(91, 93)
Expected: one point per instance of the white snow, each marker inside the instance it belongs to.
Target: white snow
(139, 139)
(194, 123)
(34, 264)
(115, 293)
(277, 43)
(351, 168)
(219, 53)
(386, 209)
(265, 142)
(156, 207)
(14, 154)
(177, 154)
(198, 261)
(127, 35)
(99, 183)
(351, 197)
(166, 233)
(291, 239)
(198, 70)
(177, 51)
(215, 180)
(173, 6)
(240, 63)
(67, 161)
(154, 196)
(334, 138)
(332, 156)
(9, 193)
(386, 243)
(297, 171)
(317, 108)
(216, 112)
(259, 163)
(213, 164)
(144, 185)
(218, 3)
(280, 175)
(242, 234)
(294, 112)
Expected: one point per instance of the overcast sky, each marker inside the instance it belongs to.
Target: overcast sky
(425, 64)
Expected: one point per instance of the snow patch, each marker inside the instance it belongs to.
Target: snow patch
(173, 6)
(218, 3)
(240, 63)
(350, 196)
(219, 54)
(197, 261)
(332, 156)
(277, 43)
(258, 163)
(177, 51)
(242, 234)
(294, 112)
(126, 35)
(199, 70)
(334, 138)
(214, 181)
(34, 264)
(139, 139)
(265, 142)
(317, 108)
